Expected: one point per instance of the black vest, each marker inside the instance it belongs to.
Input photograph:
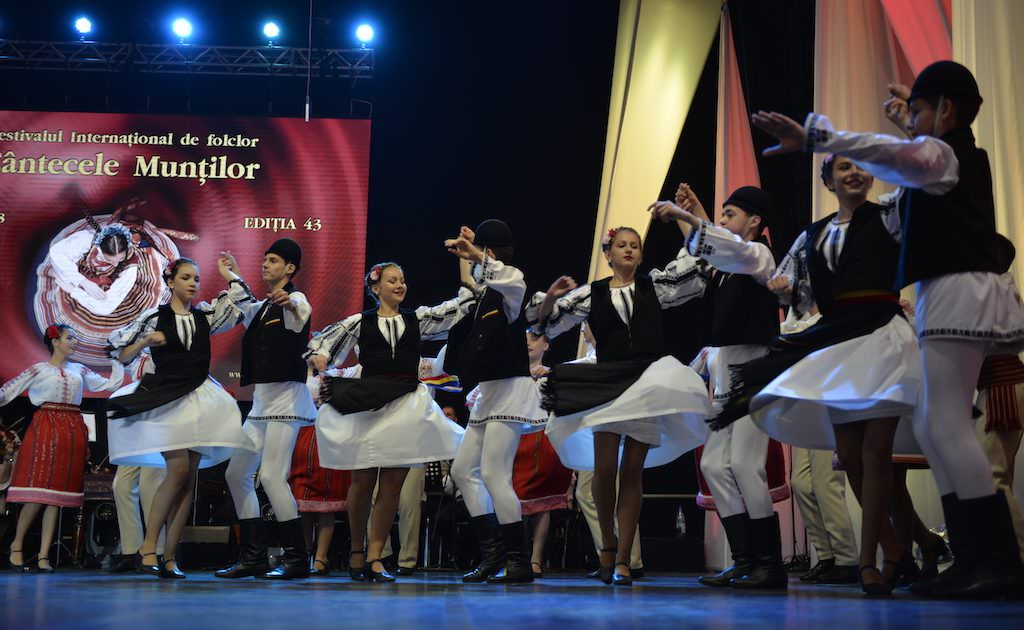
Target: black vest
(270, 352)
(376, 355)
(867, 262)
(742, 311)
(642, 338)
(955, 232)
(172, 359)
(488, 347)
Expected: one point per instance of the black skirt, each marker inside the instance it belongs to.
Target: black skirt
(352, 395)
(785, 351)
(574, 387)
(155, 390)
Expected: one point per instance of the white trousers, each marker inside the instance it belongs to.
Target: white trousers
(820, 493)
(483, 470)
(733, 465)
(274, 442)
(131, 483)
(585, 499)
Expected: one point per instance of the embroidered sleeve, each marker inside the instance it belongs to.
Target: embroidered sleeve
(435, 321)
(123, 337)
(727, 252)
(680, 282)
(96, 383)
(337, 340)
(568, 311)
(924, 162)
(506, 280)
(794, 268)
(17, 385)
(296, 321)
(227, 308)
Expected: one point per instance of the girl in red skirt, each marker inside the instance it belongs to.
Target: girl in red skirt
(50, 470)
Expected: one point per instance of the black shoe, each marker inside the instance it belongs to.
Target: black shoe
(320, 569)
(492, 549)
(358, 574)
(905, 570)
(517, 556)
(252, 552)
(874, 589)
(534, 566)
(170, 574)
(937, 552)
(963, 558)
(17, 568)
(768, 572)
(400, 570)
(605, 573)
(41, 569)
(377, 576)
(148, 569)
(637, 573)
(295, 559)
(816, 571)
(123, 564)
(738, 532)
(839, 574)
(619, 579)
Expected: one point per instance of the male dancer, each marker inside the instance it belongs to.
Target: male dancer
(277, 331)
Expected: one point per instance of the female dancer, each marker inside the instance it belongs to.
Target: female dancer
(50, 470)
(382, 423)
(633, 401)
(178, 416)
(852, 374)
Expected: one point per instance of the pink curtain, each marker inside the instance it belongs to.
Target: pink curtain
(922, 28)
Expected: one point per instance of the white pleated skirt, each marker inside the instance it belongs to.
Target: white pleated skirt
(408, 431)
(973, 306)
(665, 408)
(873, 376)
(206, 420)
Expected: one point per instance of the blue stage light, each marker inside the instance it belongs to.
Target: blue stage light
(83, 26)
(364, 33)
(182, 28)
(271, 30)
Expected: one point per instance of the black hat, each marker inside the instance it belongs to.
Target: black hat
(287, 249)
(945, 77)
(493, 233)
(753, 200)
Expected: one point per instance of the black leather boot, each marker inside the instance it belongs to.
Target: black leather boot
(996, 569)
(959, 544)
(492, 548)
(252, 552)
(768, 572)
(295, 559)
(737, 531)
(517, 568)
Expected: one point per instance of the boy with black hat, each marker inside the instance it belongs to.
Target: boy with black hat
(947, 183)
(744, 317)
(490, 349)
(277, 331)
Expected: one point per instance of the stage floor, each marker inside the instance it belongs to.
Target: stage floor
(88, 599)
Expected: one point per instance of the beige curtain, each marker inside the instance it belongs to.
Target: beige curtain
(986, 39)
(660, 52)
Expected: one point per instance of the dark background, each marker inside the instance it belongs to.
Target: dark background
(479, 110)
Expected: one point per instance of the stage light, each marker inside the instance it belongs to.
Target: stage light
(182, 28)
(271, 30)
(83, 26)
(364, 33)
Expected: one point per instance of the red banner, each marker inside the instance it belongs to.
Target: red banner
(170, 186)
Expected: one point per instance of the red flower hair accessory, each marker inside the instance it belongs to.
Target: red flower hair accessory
(607, 239)
(375, 272)
(52, 332)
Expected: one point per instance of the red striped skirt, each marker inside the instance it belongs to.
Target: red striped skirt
(50, 468)
(540, 480)
(316, 489)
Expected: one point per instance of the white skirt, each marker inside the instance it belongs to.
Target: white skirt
(282, 402)
(874, 376)
(513, 400)
(974, 306)
(666, 408)
(408, 431)
(206, 420)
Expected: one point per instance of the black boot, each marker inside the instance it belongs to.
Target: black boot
(959, 544)
(996, 567)
(517, 568)
(737, 530)
(295, 559)
(768, 572)
(492, 549)
(252, 552)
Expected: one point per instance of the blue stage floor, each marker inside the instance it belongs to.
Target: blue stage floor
(72, 599)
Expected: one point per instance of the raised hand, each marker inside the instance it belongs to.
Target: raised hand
(467, 233)
(900, 91)
(227, 265)
(787, 131)
(561, 286)
(280, 297)
(319, 362)
(464, 248)
(779, 285)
